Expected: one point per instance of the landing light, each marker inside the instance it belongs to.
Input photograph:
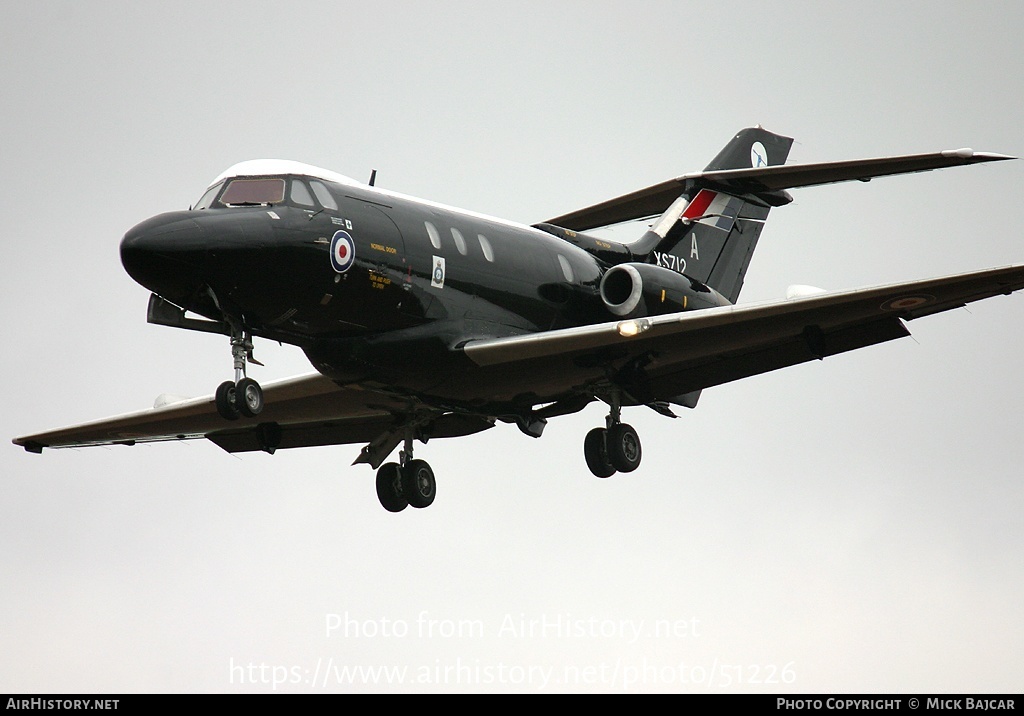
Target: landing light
(628, 329)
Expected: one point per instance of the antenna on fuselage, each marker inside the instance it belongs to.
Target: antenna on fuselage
(373, 177)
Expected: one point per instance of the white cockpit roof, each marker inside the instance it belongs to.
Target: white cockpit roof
(277, 167)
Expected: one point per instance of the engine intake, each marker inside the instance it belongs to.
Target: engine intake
(635, 289)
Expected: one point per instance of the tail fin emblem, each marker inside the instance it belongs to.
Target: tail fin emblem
(758, 155)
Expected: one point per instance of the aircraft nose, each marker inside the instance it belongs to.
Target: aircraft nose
(165, 254)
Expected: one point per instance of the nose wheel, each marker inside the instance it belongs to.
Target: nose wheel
(243, 396)
(233, 401)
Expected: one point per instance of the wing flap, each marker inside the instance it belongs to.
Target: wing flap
(344, 431)
(335, 432)
(789, 352)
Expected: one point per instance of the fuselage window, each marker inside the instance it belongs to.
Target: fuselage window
(247, 192)
(460, 242)
(435, 238)
(300, 194)
(485, 246)
(326, 200)
(566, 268)
(209, 196)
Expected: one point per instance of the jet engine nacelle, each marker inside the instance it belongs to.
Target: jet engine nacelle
(634, 289)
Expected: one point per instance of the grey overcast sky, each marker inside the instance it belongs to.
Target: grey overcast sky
(851, 525)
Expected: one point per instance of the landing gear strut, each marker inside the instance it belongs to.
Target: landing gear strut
(242, 396)
(613, 448)
(409, 483)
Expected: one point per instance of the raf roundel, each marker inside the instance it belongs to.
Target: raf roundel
(343, 251)
(905, 303)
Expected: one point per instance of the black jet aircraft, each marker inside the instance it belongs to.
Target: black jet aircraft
(425, 321)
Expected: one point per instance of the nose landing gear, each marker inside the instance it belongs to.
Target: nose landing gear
(242, 396)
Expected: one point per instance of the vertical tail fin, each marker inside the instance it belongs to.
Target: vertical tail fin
(752, 147)
(710, 235)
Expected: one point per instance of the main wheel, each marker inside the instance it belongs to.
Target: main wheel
(249, 397)
(596, 454)
(418, 485)
(623, 447)
(389, 487)
(225, 399)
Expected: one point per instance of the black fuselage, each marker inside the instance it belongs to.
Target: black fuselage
(393, 315)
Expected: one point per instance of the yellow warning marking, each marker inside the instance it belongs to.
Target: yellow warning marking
(378, 280)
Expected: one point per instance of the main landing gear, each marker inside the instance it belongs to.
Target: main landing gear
(409, 483)
(242, 396)
(614, 448)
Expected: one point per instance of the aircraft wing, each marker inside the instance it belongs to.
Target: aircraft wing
(662, 357)
(658, 358)
(305, 409)
(764, 182)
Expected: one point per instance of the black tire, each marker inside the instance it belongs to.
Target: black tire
(418, 484)
(225, 400)
(389, 487)
(624, 447)
(249, 397)
(596, 454)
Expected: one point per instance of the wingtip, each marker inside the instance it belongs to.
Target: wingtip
(993, 157)
(968, 153)
(31, 446)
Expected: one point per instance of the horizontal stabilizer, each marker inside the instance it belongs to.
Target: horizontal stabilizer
(766, 183)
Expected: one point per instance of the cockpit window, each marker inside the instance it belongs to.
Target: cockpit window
(246, 192)
(300, 194)
(326, 200)
(209, 196)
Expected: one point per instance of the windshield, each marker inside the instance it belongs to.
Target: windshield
(247, 192)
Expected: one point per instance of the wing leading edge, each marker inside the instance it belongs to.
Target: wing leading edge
(683, 352)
